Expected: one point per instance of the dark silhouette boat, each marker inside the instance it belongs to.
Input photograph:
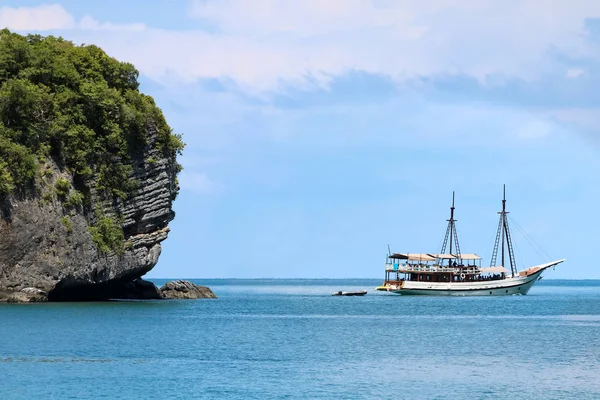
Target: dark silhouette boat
(357, 293)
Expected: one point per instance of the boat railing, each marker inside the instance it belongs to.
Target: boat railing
(408, 268)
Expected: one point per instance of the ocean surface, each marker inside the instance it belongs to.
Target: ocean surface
(290, 339)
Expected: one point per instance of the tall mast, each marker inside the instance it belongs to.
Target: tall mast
(503, 235)
(451, 234)
(503, 217)
(451, 221)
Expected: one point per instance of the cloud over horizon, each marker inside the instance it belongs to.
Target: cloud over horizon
(269, 45)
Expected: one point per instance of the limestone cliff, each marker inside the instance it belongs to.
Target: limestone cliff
(40, 249)
(87, 173)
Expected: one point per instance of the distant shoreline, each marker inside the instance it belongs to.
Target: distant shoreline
(334, 279)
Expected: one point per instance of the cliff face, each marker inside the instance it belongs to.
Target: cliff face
(87, 173)
(42, 246)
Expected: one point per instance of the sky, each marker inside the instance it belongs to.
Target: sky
(319, 132)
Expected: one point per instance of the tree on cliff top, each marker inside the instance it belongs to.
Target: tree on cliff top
(76, 105)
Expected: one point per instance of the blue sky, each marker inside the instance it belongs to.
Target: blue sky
(318, 132)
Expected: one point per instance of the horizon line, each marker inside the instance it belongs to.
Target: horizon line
(545, 279)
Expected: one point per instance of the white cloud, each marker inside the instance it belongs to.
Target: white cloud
(55, 17)
(306, 18)
(40, 18)
(264, 45)
(586, 118)
(89, 23)
(575, 72)
(534, 129)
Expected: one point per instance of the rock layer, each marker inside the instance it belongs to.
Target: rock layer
(45, 246)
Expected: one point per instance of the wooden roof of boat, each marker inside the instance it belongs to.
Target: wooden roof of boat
(432, 256)
(412, 256)
(445, 256)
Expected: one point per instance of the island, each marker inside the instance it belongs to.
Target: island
(88, 174)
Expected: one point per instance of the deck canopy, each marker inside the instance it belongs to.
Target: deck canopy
(493, 270)
(444, 256)
(412, 256)
(456, 256)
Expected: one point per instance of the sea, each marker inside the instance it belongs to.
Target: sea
(291, 339)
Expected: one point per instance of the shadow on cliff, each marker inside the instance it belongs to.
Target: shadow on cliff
(74, 290)
(138, 289)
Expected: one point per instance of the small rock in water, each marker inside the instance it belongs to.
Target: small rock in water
(181, 289)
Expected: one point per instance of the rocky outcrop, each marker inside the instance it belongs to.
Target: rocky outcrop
(25, 295)
(186, 290)
(48, 247)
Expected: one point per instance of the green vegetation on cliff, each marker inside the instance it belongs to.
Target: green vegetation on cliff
(108, 235)
(78, 106)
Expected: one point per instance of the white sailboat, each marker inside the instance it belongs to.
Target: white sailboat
(459, 274)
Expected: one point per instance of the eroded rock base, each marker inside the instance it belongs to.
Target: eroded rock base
(138, 289)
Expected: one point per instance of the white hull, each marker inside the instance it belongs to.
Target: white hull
(502, 287)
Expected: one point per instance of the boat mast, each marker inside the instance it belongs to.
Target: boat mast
(503, 217)
(451, 221)
(451, 234)
(503, 235)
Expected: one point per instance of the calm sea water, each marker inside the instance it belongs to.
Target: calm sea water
(291, 339)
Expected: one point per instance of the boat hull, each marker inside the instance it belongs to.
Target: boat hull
(495, 288)
(518, 285)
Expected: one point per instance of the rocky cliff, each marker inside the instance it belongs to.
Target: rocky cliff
(44, 246)
(87, 173)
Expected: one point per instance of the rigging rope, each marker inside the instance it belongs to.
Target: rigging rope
(531, 241)
(517, 250)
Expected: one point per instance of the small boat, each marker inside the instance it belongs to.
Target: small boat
(460, 274)
(357, 293)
